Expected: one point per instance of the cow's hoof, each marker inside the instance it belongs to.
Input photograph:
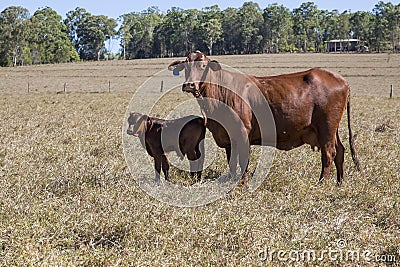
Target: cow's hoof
(244, 182)
(244, 185)
(232, 175)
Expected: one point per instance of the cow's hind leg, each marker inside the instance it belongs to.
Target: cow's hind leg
(244, 164)
(328, 153)
(339, 158)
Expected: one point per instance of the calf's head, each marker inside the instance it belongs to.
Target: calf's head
(137, 124)
(196, 66)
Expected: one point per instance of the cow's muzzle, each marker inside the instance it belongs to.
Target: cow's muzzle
(191, 88)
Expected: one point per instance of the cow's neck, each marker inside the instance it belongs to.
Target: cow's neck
(211, 87)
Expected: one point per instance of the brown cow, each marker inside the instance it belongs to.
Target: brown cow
(183, 135)
(306, 107)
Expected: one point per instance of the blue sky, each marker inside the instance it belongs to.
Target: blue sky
(116, 8)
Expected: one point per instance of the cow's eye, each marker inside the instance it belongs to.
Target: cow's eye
(203, 66)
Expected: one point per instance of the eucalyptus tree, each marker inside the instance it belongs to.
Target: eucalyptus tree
(13, 35)
(382, 24)
(277, 30)
(210, 26)
(172, 32)
(125, 34)
(192, 39)
(89, 32)
(251, 23)
(73, 21)
(137, 32)
(344, 25)
(231, 31)
(93, 34)
(361, 26)
(330, 24)
(387, 25)
(305, 25)
(48, 39)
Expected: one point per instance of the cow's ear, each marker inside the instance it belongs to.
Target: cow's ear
(214, 65)
(177, 65)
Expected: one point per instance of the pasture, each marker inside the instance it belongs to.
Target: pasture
(67, 197)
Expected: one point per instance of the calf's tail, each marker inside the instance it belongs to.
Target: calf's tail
(351, 138)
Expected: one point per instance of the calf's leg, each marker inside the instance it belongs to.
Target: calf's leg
(195, 166)
(165, 166)
(228, 153)
(200, 153)
(157, 167)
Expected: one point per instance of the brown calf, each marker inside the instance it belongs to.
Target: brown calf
(158, 136)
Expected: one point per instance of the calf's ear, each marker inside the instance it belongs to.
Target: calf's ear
(141, 125)
(177, 65)
(214, 65)
(133, 117)
(134, 114)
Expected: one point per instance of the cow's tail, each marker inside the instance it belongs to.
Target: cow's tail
(351, 138)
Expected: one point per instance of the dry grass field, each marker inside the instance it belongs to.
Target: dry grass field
(67, 197)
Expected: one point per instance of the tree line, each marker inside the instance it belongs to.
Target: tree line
(45, 37)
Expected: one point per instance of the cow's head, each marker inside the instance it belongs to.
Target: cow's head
(196, 66)
(137, 124)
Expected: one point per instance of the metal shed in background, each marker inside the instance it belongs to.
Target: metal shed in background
(342, 45)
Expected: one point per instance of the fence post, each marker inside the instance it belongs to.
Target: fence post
(28, 87)
(162, 85)
(65, 88)
(109, 86)
(391, 91)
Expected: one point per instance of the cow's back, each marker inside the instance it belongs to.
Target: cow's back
(300, 101)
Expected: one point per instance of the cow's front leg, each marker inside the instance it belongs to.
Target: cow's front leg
(245, 175)
(244, 154)
(233, 160)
